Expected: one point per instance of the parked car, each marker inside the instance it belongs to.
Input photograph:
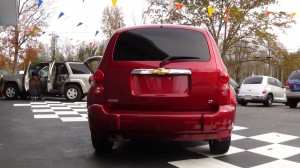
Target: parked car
(293, 89)
(69, 79)
(2, 73)
(261, 89)
(161, 82)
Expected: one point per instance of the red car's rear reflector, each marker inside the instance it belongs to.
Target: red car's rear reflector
(98, 89)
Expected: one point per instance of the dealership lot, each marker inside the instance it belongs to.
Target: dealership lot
(55, 133)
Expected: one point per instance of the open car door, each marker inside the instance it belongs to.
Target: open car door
(93, 62)
(27, 77)
(51, 77)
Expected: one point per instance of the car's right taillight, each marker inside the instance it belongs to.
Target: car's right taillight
(224, 89)
(287, 85)
(98, 78)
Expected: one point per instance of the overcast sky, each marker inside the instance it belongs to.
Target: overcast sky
(89, 13)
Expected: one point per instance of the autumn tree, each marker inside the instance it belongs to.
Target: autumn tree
(229, 21)
(112, 19)
(67, 49)
(30, 22)
(87, 50)
(30, 54)
(143, 18)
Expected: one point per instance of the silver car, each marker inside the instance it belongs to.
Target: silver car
(261, 89)
(68, 79)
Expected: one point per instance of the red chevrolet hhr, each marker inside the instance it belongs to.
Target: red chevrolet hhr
(161, 82)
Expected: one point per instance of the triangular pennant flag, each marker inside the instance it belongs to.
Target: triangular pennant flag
(61, 14)
(40, 3)
(293, 14)
(268, 13)
(36, 30)
(96, 33)
(210, 11)
(179, 6)
(29, 29)
(114, 3)
(80, 23)
(56, 36)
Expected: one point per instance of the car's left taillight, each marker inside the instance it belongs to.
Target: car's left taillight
(98, 78)
(224, 89)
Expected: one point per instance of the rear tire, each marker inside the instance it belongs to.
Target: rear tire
(243, 103)
(292, 103)
(219, 147)
(73, 93)
(102, 145)
(11, 91)
(268, 102)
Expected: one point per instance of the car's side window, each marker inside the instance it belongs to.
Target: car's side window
(269, 81)
(43, 73)
(279, 84)
(272, 82)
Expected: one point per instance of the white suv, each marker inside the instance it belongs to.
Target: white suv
(69, 79)
(261, 89)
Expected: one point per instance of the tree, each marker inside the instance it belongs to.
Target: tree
(69, 50)
(87, 50)
(233, 23)
(30, 21)
(112, 20)
(230, 22)
(143, 16)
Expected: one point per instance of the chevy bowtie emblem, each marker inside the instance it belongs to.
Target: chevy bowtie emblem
(160, 71)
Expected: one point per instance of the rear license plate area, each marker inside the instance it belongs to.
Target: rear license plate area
(176, 85)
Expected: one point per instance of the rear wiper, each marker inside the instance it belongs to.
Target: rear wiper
(163, 62)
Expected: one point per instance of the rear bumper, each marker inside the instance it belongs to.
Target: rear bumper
(252, 98)
(290, 94)
(154, 125)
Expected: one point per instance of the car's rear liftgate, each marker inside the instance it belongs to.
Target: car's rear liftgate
(128, 86)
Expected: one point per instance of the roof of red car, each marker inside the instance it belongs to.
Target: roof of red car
(161, 26)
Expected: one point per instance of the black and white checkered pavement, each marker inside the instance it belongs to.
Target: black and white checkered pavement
(67, 112)
(269, 150)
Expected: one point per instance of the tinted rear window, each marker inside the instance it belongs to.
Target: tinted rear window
(253, 80)
(79, 69)
(295, 75)
(156, 44)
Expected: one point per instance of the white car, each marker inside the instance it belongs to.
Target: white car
(261, 89)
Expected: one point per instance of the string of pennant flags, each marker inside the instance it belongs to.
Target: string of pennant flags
(178, 6)
(62, 14)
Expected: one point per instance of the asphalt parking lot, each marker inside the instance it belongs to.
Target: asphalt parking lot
(55, 133)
